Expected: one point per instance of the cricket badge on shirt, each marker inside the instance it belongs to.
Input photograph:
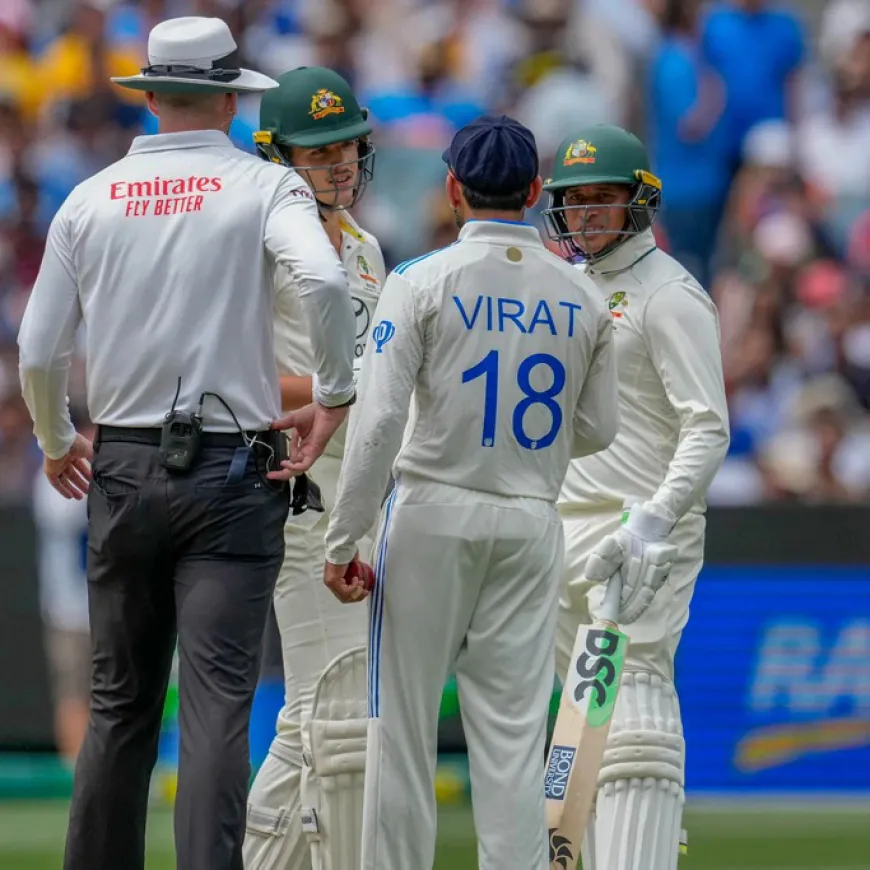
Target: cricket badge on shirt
(325, 102)
(580, 151)
(617, 303)
(366, 272)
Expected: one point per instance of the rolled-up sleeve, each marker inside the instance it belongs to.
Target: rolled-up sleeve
(46, 341)
(295, 238)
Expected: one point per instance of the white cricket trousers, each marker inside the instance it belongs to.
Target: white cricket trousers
(465, 581)
(314, 627)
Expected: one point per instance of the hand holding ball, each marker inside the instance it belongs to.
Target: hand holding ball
(359, 570)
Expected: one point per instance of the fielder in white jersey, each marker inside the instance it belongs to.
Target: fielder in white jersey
(305, 806)
(509, 353)
(673, 436)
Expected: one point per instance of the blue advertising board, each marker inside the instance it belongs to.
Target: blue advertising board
(773, 674)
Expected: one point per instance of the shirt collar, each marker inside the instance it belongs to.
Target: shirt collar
(173, 141)
(505, 232)
(626, 255)
(350, 228)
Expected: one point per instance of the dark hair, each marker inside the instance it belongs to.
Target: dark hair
(499, 202)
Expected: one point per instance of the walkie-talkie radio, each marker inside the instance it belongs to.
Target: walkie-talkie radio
(180, 438)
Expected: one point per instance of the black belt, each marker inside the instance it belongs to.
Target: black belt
(131, 435)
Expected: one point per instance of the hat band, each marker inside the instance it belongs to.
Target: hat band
(224, 69)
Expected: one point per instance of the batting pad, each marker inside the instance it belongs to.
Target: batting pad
(333, 769)
(273, 835)
(639, 807)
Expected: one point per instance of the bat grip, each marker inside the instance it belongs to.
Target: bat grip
(612, 593)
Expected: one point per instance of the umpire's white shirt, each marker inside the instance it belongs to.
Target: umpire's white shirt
(163, 254)
(509, 353)
(673, 415)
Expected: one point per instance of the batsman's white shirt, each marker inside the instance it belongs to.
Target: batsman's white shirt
(364, 264)
(163, 256)
(673, 416)
(672, 438)
(451, 339)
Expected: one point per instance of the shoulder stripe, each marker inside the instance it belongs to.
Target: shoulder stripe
(403, 267)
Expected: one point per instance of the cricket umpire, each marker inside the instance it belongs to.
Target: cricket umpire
(167, 258)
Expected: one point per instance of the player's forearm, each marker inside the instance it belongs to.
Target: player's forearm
(683, 334)
(295, 391)
(365, 474)
(696, 462)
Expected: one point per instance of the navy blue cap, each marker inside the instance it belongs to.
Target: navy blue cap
(493, 155)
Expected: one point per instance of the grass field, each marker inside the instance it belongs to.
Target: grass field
(742, 838)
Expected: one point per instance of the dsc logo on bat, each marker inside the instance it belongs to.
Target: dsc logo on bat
(598, 668)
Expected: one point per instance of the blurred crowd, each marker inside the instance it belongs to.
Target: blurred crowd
(757, 115)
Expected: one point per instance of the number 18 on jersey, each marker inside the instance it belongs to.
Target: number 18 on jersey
(487, 369)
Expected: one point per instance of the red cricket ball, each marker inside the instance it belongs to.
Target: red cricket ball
(358, 568)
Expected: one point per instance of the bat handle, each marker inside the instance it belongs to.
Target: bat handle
(610, 606)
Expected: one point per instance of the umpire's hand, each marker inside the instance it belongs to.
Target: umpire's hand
(71, 474)
(313, 426)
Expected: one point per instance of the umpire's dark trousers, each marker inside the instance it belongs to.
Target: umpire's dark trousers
(187, 557)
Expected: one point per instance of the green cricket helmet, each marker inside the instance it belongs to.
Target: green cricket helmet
(313, 107)
(601, 154)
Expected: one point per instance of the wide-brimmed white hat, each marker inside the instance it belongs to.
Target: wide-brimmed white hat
(194, 54)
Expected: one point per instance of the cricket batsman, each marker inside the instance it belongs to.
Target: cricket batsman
(305, 806)
(508, 352)
(648, 487)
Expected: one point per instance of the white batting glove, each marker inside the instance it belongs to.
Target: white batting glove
(639, 551)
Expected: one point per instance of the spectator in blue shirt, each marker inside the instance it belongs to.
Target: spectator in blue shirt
(434, 100)
(687, 139)
(757, 48)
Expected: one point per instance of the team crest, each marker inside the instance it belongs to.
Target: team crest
(324, 103)
(616, 302)
(365, 271)
(579, 152)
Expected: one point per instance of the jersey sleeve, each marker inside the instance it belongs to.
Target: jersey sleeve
(596, 417)
(682, 332)
(296, 240)
(392, 361)
(46, 340)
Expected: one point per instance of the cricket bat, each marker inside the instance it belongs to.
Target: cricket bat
(582, 725)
